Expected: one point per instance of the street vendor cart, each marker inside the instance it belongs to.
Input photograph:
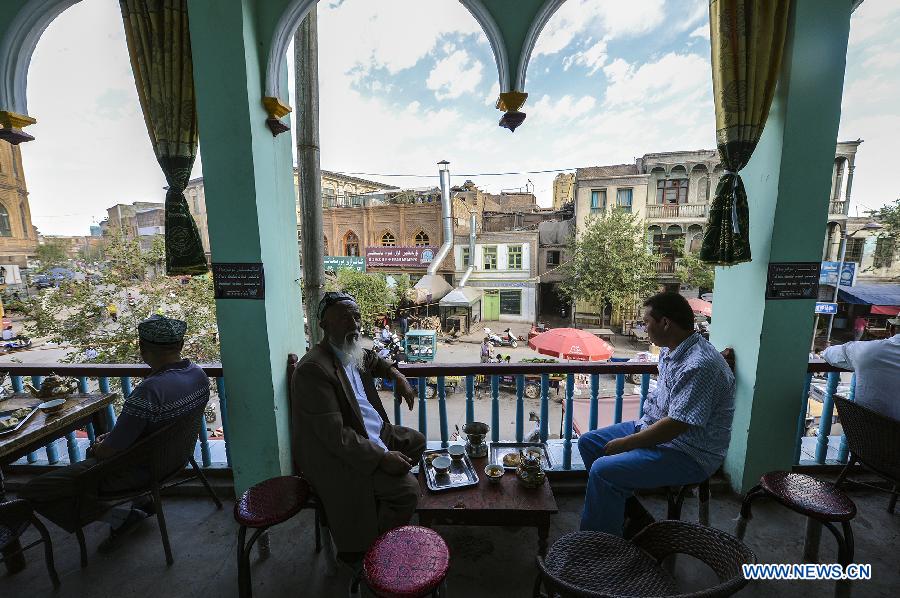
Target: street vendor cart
(420, 345)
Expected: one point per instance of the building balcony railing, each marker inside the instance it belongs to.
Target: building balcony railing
(683, 210)
(837, 207)
(532, 380)
(665, 267)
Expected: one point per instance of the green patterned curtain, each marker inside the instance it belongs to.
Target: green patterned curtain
(747, 38)
(159, 44)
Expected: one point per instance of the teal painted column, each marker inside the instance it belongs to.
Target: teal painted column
(788, 182)
(252, 218)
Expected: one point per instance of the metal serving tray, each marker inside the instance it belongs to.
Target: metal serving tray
(498, 449)
(21, 423)
(461, 474)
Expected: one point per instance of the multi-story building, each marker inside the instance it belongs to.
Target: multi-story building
(563, 189)
(671, 193)
(142, 221)
(338, 190)
(553, 239)
(18, 239)
(505, 271)
(76, 247)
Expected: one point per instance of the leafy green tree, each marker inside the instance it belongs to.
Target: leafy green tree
(888, 216)
(402, 288)
(77, 315)
(370, 290)
(609, 263)
(690, 269)
(51, 253)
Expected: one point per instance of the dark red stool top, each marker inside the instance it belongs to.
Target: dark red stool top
(809, 496)
(271, 501)
(406, 562)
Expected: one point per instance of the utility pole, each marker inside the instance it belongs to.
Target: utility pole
(306, 90)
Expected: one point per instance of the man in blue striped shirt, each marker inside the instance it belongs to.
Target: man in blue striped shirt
(684, 432)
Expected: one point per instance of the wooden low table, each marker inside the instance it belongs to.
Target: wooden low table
(505, 503)
(42, 429)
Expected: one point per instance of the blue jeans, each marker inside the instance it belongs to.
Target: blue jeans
(613, 479)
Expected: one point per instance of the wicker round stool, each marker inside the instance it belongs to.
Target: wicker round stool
(406, 562)
(822, 502)
(268, 503)
(597, 564)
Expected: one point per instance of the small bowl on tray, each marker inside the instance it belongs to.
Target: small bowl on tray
(494, 473)
(52, 406)
(441, 465)
(456, 451)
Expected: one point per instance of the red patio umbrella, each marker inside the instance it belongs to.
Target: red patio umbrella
(704, 308)
(571, 343)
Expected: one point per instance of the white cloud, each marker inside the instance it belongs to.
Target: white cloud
(701, 31)
(567, 108)
(491, 98)
(593, 58)
(592, 18)
(454, 75)
(671, 78)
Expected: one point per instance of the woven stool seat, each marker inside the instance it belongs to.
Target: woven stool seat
(807, 495)
(602, 564)
(406, 562)
(11, 531)
(271, 502)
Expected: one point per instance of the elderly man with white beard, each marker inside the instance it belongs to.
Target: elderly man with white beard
(343, 443)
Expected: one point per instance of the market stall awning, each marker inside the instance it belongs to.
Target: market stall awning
(885, 310)
(704, 308)
(871, 294)
(462, 297)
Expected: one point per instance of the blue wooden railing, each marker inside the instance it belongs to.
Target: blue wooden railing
(96, 378)
(93, 377)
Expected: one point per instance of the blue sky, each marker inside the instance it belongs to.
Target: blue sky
(406, 83)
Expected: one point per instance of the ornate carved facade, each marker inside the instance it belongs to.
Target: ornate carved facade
(18, 239)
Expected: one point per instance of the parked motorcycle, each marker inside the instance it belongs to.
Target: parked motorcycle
(508, 339)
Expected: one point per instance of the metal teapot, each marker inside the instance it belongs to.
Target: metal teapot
(530, 470)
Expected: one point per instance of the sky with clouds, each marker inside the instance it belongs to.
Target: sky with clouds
(407, 83)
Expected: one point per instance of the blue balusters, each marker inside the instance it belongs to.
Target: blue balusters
(126, 386)
(595, 391)
(495, 408)
(843, 449)
(223, 409)
(470, 399)
(801, 422)
(645, 390)
(423, 419)
(442, 410)
(204, 442)
(825, 420)
(398, 402)
(19, 386)
(52, 450)
(620, 392)
(520, 407)
(110, 409)
(567, 434)
(545, 406)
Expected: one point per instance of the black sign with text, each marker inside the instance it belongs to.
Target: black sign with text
(793, 280)
(239, 281)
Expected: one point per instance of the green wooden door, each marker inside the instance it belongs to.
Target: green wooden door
(491, 310)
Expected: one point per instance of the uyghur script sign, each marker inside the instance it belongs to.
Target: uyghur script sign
(334, 263)
(408, 257)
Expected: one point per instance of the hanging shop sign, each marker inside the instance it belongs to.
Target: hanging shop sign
(402, 257)
(828, 273)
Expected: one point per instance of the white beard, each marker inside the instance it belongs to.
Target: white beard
(353, 352)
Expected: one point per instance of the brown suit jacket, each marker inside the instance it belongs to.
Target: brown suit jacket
(330, 443)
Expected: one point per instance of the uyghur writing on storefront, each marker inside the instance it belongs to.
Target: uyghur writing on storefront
(407, 257)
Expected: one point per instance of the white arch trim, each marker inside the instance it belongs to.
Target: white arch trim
(537, 25)
(495, 38)
(281, 39)
(18, 46)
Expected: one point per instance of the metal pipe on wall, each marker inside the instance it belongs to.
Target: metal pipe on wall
(471, 267)
(446, 217)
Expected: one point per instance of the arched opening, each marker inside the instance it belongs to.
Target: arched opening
(388, 239)
(421, 239)
(351, 244)
(5, 228)
(694, 238)
(699, 180)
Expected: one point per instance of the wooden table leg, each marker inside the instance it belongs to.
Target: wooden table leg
(543, 534)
